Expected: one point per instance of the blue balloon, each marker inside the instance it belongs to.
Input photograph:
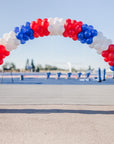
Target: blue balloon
(24, 33)
(23, 29)
(83, 41)
(81, 35)
(27, 24)
(91, 27)
(94, 32)
(20, 36)
(112, 68)
(89, 40)
(16, 30)
(30, 32)
(22, 41)
(87, 34)
(84, 27)
(31, 37)
(25, 37)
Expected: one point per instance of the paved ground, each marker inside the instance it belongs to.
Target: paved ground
(56, 124)
(57, 94)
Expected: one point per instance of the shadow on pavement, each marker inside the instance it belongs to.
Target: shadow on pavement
(47, 111)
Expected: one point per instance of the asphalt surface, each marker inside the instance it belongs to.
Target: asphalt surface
(56, 124)
(57, 94)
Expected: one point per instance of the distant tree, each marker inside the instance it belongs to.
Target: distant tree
(40, 67)
(32, 65)
(74, 70)
(37, 69)
(54, 68)
(49, 67)
(9, 66)
(12, 66)
(90, 69)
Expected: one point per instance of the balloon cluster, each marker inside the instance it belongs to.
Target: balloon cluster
(100, 43)
(24, 33)
(56, 26)
(40, 28)
(72, 29)
(10, 41)
(109, 56)
(87, 34)
(3, 53)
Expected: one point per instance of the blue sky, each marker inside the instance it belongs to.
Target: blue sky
(56, 50)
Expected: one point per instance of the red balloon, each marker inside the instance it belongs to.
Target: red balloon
(105, 53)
(111, 63)
(46, 32)
(35, 34)
(2, 56)
(45, 24)
(71, 33)
(1, 61)
(40, 29)
(45, 19)
(111, 48)
(80, 23)
(33, 25)
(41, 34)
(106, 59)
(75, 38)
(2, 49)
(7, 53)
(68, 20)
(39, 21)
(65, 26)
(74, 23)
(78, 29)
(111, 56)
(68, 26)
(65, 34)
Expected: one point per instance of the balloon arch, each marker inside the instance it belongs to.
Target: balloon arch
(58, 26)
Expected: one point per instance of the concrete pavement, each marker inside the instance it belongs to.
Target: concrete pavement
(57, 94)
(56, 124)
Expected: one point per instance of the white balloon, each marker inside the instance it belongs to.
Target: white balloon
(5, 36)
(2, 42)
(62, 21)
(17, 42)
(100, 34)
(56, 26)
(99, 52)
(12, 35)
(56, 23)
(100, 42)
(56, 19)
(61, 30)
(51, 29)
(9, 47)
(51, 21)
